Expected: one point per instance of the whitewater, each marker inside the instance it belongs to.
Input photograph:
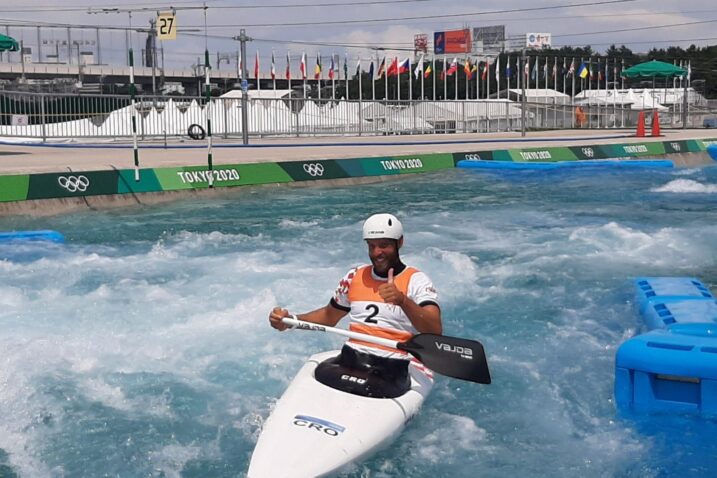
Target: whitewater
(141, 347)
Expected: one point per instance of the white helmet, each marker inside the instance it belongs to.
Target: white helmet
(382, 226)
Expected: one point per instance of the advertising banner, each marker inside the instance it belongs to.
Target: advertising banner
(538, 40)
(454, 41)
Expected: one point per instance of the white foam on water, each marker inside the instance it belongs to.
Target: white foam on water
(679, 186)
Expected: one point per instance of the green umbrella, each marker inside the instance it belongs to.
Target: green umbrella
(8, 44)
(654, 69)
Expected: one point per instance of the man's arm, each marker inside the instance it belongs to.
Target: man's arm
(326, 315)
(425, 318)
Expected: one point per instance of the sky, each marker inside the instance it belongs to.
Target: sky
(641, 25)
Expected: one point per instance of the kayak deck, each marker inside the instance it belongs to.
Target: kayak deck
(315, 430)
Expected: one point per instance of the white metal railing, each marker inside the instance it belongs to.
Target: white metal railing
(50, 116)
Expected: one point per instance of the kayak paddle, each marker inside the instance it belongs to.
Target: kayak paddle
(451, 356)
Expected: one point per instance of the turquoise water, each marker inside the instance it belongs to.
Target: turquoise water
(141, 347)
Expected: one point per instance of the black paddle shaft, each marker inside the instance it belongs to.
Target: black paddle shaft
(451, 356)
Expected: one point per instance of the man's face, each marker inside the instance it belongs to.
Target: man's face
(383, 253)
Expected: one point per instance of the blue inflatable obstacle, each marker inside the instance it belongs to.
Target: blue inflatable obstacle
(594, 163)
(23, 236)
(673, 367)
(712, 151)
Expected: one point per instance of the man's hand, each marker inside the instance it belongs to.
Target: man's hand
(277, 313)
(389, 292)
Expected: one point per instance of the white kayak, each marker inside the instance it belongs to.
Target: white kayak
(316, 430)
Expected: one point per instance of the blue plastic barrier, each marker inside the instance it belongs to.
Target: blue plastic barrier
(613, 163)
(669, 370)
(18, 236)
(666, 313)
(712, 151)
(651, 288)
(674, 366)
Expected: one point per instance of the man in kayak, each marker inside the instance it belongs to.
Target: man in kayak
(385, 299)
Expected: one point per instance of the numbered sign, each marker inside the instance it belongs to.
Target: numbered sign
(166, 26)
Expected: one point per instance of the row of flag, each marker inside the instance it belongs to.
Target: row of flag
(585, 70)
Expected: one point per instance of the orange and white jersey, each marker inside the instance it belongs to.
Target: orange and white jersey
(358, 295)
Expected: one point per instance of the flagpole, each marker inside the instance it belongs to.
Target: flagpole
(455, 93)
(273, 72)
(333, 77)
(572, 96)
(497, 76)
(422, 79)
(288, 71)
(321, 72)
(257, 72)
(398, 81)
(433, 76)
(358, 69)
(564, 73)
(466, 75)
(445, 80)
(410, 81)
(346, 74)
(373, 81)
(303, 74)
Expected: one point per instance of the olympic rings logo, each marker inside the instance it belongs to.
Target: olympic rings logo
(74, 183)
(314, 169)
(588, 152)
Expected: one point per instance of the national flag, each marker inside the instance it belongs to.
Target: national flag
(453, 68)
(583, 71)
(256, 65)
(497, 69)
(508, 71)
(545, 69)
(571, 71)
(474, 69)
(419, 68)
(302, 67)
(555, 68)
(590, 70)
(527, 68)
(486, 67)
(467, 67)
(428, 71)
(381, 68)
(393, 67)
(534, 74)
(287, 73)
(358, 68)
(445, 70)
(346, 68)
(273, 67)
(317, 68)
(404, 66)
(370, 72)
(332, 67)
(600, 74)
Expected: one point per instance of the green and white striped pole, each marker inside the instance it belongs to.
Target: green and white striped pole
(132, 94)
(208, 109)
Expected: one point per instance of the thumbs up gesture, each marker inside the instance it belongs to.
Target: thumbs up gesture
(389, 292)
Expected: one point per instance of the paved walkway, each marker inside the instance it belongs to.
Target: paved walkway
(16, 158)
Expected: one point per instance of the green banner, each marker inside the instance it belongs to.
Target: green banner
(313, 170)
(197, 177)
(637, 149)
(542, 155)
(72, 184)
(399, 165)
(147, 183)
(14, 188)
